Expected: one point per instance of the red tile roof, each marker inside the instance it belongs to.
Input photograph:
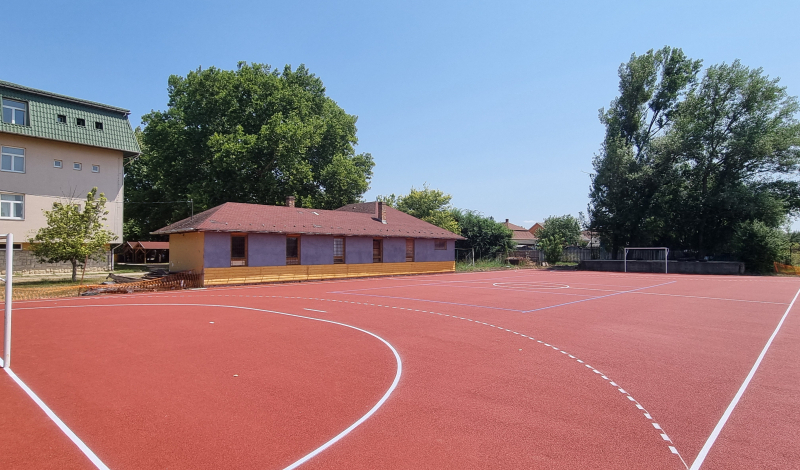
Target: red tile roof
(154, 245)
(518, 233)
(255, 218)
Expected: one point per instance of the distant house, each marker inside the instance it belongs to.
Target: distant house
(245, 243)
(520, 235)
(535, 228)
(592, 239)
(54, 147)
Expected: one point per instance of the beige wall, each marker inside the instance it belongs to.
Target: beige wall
(186, 252)
(42, 184)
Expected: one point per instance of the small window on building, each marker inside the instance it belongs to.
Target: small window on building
(15, 112)
(12, 206)
(58, 164)
(62, 118)
(77, 166)
(12, 159)
(95, 168)
(81, 122)
(338, 251)
(15, 246)
(98, 125)
(377, 251)
(409, 250)
(239, 250)
(293, 250)
(440, 245)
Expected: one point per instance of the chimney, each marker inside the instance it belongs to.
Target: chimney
(506, 220)
(289, 201)
(381, 212)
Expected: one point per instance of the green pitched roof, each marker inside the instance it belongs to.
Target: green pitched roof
(44, 108)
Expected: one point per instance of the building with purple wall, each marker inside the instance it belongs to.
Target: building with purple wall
(248, 241)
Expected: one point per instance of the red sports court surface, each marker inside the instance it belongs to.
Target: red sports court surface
(511, 369)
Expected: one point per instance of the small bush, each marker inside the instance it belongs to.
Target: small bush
(553, 247)
(760, 245)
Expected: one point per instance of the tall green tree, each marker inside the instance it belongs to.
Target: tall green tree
(734, 151)
(687, 161)
(430, 205)
(72, 234)
(254, 135)
(624, 186)
(566, 228)
(483, 235)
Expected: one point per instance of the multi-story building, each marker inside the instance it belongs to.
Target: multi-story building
(54, 147)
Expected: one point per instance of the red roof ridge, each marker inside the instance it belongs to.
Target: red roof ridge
(255, 218)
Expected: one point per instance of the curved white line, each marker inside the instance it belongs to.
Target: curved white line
(336, 438)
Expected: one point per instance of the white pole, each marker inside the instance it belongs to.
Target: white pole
(9, 270)
(625, 263)
(666, 260)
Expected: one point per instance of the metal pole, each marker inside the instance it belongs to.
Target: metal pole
(625, 262)
(666, 260)
(9, 270)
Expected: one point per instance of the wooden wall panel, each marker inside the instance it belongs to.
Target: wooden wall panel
(262, 274)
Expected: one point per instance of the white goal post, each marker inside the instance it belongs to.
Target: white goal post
(661, 248)
(5, 362)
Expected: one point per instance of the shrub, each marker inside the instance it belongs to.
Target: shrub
(566, 226)
(760, 245)
(552, 246)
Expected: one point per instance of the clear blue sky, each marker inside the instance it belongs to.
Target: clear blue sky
(495, 103)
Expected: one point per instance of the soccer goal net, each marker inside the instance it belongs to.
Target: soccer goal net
(6, 281)
(648, 253)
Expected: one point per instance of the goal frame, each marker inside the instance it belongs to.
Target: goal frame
(5, 362)
(666, 256)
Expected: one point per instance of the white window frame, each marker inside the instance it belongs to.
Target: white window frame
(13, 157)
(13, 111)
(11, 205)
(58, 164)
(95, 168)
(77, 166)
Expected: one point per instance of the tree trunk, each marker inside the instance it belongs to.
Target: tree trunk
(74, 270)
(83, 273)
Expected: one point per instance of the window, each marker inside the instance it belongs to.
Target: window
(58, 164)
(77, 166)
(239, 250)
(409, 250)
(440, 245)
(15, 112)
(98, 125)
(62, 118)
(12, 206)
(81, 122)
(12, 159)
(377, 251)
(15, 246)
(338, 251)
(95, 168)
(293, 250)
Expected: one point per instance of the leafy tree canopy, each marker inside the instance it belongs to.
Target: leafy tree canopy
(487, 237)
(687, 160)
(430, 205)
(565, 228)
(253, 135)
(74, 235)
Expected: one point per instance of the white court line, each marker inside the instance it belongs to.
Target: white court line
(66, 430)
(718, 428)
(312, 310)
(296, 464)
